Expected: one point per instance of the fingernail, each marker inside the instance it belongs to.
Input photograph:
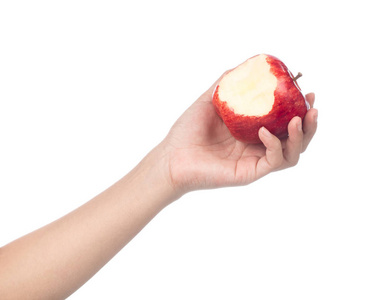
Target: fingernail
(265, 132)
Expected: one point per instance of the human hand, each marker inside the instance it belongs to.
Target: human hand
(202, 153)
(199, 152)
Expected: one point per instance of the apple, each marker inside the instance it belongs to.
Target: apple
(259, 92)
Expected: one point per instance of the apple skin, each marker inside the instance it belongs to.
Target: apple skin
(288, 103)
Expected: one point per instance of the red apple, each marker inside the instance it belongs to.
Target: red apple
(259, 92)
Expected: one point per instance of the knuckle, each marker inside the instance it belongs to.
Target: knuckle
(277, 163)
(293, 162)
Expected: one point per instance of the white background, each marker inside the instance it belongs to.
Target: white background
(87, 88)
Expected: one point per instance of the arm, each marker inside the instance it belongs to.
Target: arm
(54, 261)
(198, 153)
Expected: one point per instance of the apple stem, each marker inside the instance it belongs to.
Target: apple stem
(298, 76)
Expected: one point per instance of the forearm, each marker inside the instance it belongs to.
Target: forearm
(54, 261)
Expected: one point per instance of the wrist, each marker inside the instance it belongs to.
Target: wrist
(152, 175)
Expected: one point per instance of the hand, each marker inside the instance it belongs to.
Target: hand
(203, 154)
(199, 152)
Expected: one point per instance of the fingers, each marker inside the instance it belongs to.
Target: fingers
(286, 153)
(310, 98)
(309, 122)
(273, 158)
(309, 126)
(294, 143)
(281, 155)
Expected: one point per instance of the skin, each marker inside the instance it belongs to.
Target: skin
(198, 153)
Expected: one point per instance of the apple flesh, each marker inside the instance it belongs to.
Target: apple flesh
(259, 92)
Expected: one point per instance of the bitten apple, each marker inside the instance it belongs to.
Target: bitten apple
(259, 92)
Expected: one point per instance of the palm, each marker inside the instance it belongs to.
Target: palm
(209, 153)
(203, 153)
